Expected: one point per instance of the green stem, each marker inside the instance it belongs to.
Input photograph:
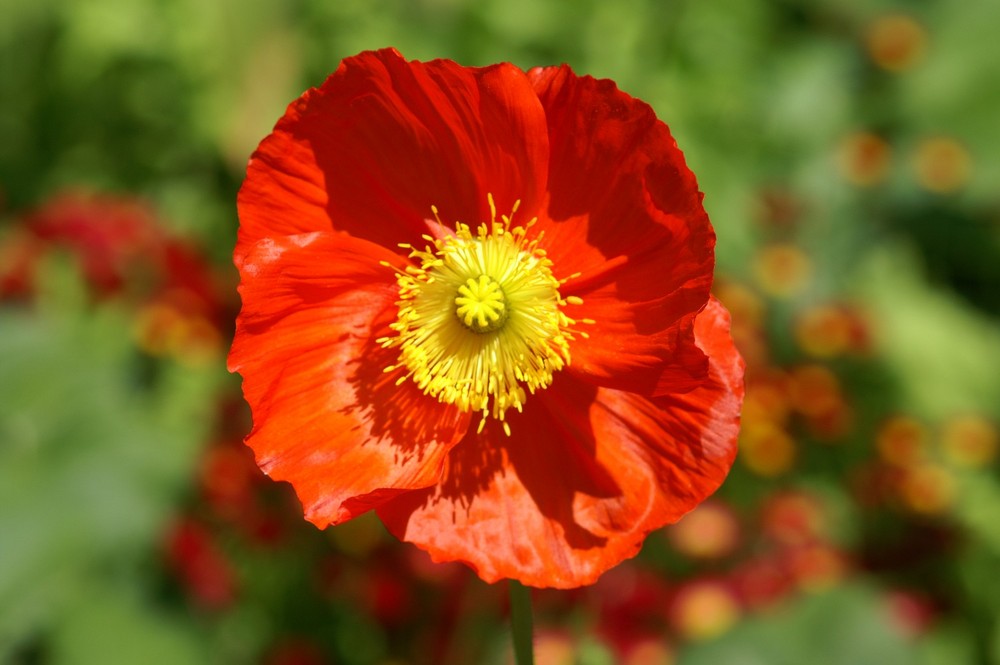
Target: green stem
(520, 623)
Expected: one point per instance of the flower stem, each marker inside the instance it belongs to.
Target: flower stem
(520, 623)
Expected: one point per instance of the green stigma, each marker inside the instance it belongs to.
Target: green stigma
(481, 305)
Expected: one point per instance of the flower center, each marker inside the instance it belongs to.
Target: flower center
(480, 322)
(481, 305)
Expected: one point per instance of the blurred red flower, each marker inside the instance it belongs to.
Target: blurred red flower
(120, 245)
(397, 359)
(194, 556)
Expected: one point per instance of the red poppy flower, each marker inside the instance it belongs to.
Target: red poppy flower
(477, 301)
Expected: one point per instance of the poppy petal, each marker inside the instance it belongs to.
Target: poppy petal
(327, 418)
(588, 473)
(624, 214)
(383, 140)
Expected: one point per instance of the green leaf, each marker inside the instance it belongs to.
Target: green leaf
(112, 626)
(944, 354)
(847, 626)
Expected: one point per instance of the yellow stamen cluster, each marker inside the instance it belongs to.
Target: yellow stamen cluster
(480, 318)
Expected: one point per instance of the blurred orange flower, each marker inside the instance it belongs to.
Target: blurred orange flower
(895, 42)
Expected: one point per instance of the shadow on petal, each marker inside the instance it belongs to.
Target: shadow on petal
(395, 411)
(507, 505)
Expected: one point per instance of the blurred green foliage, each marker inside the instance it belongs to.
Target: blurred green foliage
(94, 457)
(860, 139)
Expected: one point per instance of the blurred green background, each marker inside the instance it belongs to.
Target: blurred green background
(850, 156)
